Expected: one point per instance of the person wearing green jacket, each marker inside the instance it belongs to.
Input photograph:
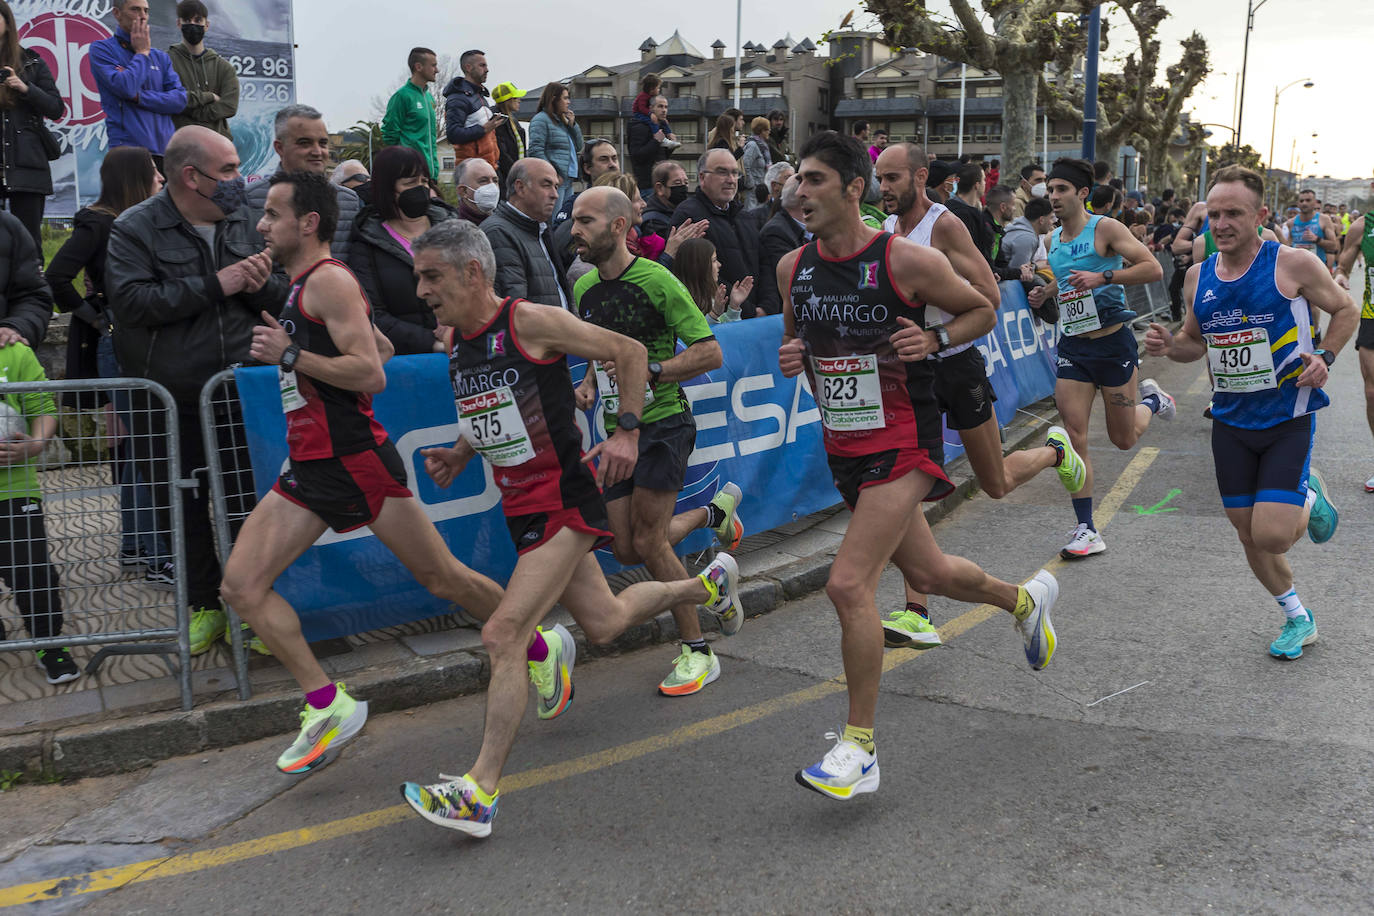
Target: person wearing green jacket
(211, 83)
(410, 119)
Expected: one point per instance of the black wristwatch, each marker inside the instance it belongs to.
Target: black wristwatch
(289, 357)
(1327, 356)
(655, 373)
(1107, 275)
(941, 334)
(627, 421)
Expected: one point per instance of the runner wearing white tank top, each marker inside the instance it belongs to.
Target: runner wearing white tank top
(961, 380)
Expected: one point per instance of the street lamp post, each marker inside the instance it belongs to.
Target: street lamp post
(1274, 125)
(739, 36)
(1251, 8)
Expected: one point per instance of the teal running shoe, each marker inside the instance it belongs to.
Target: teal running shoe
(1296, 633)
(1322, 522)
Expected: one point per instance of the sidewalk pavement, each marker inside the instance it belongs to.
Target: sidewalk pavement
(94, 727)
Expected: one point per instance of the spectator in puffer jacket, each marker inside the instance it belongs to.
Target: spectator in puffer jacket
(556, 138)
(469, 122)
(527, 265)
(736, 241)
(302, 144)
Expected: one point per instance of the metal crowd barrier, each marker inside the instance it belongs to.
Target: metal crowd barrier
(232, 493)
(1151, 300)
(89, 568)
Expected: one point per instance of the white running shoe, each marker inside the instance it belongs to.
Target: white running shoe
(1167, 406)
(1036, 630)
(1083, 542)
(846, 770)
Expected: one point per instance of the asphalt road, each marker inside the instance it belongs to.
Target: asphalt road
(1221, 779)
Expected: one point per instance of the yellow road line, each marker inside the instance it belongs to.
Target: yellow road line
(186, 863)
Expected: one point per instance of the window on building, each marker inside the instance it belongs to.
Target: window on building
(986, 91)
(904, 91)
(947, 90)
(599, 128)
(903, 132)
(449, 164)
(873, 92)
(682, 90)
(688, 130)
(600, 91)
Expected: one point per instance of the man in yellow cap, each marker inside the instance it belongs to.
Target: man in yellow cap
(510, 136)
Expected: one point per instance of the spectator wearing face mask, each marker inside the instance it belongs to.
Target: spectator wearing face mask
(1032, 186)
(479, 190)
(210, 81)
(670, 190)
(401, 211)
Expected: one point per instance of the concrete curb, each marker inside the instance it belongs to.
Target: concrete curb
(100, 748)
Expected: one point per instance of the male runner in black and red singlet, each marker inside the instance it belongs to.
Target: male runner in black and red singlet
(344, 473)
(854, 320)
(516, 408)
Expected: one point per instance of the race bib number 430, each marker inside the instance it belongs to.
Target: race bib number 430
(498, 431)
(848, 392)
(1241, 361)
(1078, 312)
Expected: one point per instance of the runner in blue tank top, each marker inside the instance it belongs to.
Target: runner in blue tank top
(1312, 230)
(1097, 350)
(1251, 317)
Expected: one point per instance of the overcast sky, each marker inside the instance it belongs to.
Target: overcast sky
(349, 50)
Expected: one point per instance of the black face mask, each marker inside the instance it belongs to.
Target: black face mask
(194, 34)
(677, 194)
(413, 202)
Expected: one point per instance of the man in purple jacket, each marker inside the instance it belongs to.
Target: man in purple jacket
(139, 90)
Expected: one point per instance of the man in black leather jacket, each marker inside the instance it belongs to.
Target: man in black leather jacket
(187, 280)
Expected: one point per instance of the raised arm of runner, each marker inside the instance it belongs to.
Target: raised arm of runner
(1297, 275)
(1187, 345)
(546, 332)
(1346, 262)
(337, 302)
(925, 275)
(951, 236)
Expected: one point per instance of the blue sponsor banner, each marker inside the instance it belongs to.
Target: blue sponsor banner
(1019, 352)
(754, 427)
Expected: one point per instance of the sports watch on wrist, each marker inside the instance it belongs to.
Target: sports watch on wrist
(627, 421)
(1327, 356)
(941, 334)
(1107, 276)
(289, 357)
(655, 373)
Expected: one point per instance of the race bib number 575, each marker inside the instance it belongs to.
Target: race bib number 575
(498, 431)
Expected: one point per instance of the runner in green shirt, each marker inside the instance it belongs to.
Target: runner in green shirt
(27, 422)
(643, 300)
(410, 119)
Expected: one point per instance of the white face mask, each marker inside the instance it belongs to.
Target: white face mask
(1039, 190)
(486, 197)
